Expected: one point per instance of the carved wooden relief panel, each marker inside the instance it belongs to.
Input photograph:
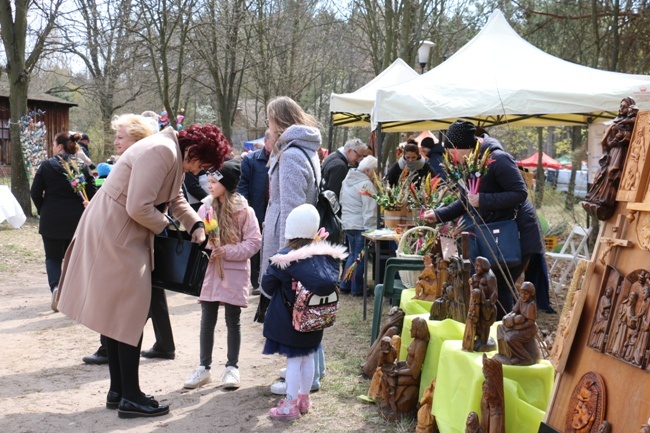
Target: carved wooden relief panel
(609, 290)
(635, 174)
(643, 230)
(629, 329)
(586, 410)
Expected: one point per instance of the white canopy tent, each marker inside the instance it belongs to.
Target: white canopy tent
(353, 109)
(499, 78)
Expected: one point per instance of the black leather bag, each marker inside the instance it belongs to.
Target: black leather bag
(497, 241)
(179, 264)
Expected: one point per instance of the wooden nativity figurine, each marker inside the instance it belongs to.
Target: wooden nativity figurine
(426, 420)
(401, 385)
(518, 329)
(428, 287)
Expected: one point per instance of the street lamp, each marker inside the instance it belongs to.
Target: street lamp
(423, 54)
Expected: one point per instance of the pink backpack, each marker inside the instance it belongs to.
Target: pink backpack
(312, 312)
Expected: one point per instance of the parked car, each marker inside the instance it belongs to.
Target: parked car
(562, 184)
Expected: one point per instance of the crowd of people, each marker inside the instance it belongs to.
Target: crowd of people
(268, 241)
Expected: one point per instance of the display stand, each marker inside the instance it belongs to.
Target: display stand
(459, 388)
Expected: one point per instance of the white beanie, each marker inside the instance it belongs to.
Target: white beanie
(303, 222)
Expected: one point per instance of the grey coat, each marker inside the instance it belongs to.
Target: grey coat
(291, 183)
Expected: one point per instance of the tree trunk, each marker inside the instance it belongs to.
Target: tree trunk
(18, 108)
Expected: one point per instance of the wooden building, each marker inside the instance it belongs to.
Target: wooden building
(56, 118)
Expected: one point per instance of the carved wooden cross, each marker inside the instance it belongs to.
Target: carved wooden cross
(608, 243)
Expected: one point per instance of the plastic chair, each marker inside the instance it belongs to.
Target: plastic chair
(391, 288)
(574, 248)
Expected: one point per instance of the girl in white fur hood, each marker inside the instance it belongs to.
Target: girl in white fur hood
(315, 264)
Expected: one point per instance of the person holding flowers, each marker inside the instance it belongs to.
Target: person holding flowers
(234, 237)
(106, 279)
(491, 188)
(60, 191)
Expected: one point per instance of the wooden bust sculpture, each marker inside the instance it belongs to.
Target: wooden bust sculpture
(401, 385)
(427, 288)
(386, 361)
(516, 335)
(493, 416)
(482, 308)
(600, 201)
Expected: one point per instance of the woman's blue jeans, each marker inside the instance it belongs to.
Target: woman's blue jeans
(355, 245)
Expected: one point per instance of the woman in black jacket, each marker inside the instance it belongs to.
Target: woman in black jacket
(58, 205)
(502, 195)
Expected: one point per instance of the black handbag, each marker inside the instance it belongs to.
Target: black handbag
(263, 305)
(179, 263)
(496, 241)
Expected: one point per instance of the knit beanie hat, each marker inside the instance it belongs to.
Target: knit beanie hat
(228, 175)
(461, 135)
(303, 222)
(427, 142)
(103, 169)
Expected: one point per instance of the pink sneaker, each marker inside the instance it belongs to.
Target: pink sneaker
(304, 403)
(286, 410)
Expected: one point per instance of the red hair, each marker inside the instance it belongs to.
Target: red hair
(205, 143)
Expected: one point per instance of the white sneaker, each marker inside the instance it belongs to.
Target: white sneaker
(55, 301)
(279, 388)
(230, 378)
(283, 373)
(198, 377)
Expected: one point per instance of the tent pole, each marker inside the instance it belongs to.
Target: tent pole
(379, 167)
(331, 131)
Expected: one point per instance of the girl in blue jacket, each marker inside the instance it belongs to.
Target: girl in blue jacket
(315, 264)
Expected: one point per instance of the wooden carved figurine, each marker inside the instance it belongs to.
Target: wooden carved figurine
(482, 310)
(587, 405)
(516, 335)
(602, 318)
(493, 405)
(387, 358)
(642, 328)
(392, 326)
(401, 386)
(426, 420)
(472, 424)
(600, 201)
(427, 288)
(626, 321)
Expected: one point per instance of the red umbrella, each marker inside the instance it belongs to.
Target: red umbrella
(547, 161)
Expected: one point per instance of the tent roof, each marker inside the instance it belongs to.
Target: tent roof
(547, 161)
(353, 109)
(499, 78)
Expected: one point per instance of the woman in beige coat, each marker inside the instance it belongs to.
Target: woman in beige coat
(106, 280)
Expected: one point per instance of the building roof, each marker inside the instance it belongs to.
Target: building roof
(4, 93)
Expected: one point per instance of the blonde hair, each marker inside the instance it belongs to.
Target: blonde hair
(137, 126)
(227, 214)
(284, 112)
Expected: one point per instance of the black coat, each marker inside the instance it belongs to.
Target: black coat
(502, 195)
(436, 158)
(334, 170)
(254, 182)
(59, 207)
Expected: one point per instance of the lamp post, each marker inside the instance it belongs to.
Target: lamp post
(423, 54)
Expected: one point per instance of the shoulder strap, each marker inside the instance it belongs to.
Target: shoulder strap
(310, 163)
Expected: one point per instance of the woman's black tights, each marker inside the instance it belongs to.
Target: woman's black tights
(124, 368)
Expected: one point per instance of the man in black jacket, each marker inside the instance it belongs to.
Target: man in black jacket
(335, 167)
